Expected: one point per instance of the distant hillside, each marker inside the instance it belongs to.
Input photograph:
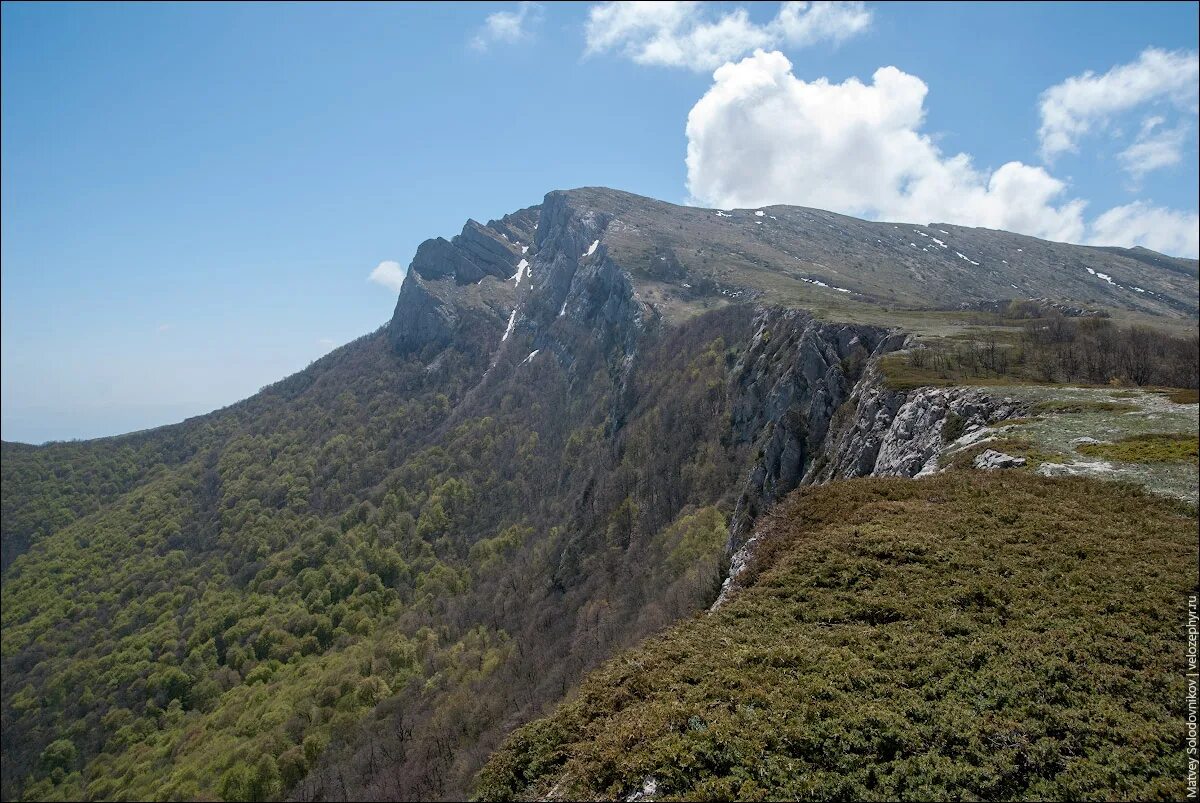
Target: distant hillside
(686, 257)
(961, 637)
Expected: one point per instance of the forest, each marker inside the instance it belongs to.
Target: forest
(1043, 345)
(350, 584)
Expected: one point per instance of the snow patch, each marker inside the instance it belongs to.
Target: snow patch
(723, 214)
(522, 267)
(759, 213)
(964, 256)
(532, 354)
(820, 283)
(512, 320)
(592, 248)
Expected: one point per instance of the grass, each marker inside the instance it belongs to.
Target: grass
(1054, 406)
(964, 636)
(1153, 447)
(1183, 395)
(1015, 422)
(1015, 445)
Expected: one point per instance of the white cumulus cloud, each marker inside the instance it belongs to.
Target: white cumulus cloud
(1166, 230)
(760, 135)
(507, 27)
(692, 35)
(1087, 102)
(389, 274)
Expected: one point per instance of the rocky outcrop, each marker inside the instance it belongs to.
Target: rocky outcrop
(477, 252)
(421, 317)
(889, 433)
(990, 460)
(457, 290)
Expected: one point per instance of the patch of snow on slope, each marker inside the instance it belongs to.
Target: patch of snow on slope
(820, 283)
(592, 248)
(521, 268)
(512, 320)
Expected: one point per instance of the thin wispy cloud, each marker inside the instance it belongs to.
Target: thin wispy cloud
(508, 27)
(388, 274)
(1155, 147)
(694, 36)
(1159, 80)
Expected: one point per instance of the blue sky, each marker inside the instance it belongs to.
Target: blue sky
(194, 196)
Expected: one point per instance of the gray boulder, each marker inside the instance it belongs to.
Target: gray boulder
(991, 459)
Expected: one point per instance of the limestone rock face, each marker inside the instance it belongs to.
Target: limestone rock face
(457, 291)
(786, 389)
(990, 459)
(888, 433)
(477, 252)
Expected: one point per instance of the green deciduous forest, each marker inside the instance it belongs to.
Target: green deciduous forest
(339, 584)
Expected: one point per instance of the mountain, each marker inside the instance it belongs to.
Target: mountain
(357, 582)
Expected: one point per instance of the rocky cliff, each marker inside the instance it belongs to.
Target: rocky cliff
(889, 433)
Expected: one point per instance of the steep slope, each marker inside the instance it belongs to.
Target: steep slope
(968, 636)
(354, 583)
